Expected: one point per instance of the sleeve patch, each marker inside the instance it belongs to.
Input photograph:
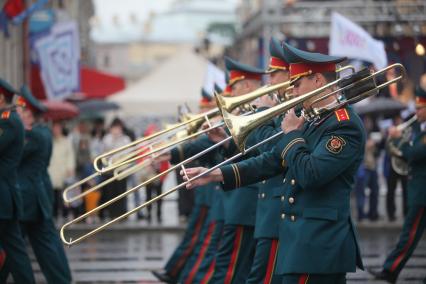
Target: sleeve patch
(335, 144)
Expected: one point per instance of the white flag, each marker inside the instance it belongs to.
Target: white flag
(349, 39)
(213, 75)
(59, 56)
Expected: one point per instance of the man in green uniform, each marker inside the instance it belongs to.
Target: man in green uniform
(317, 240)
(211, 231)
(235, 255)
(36, 221)
(41, 127)
(2, 257)
(203, 268)
(268, 204)
(17, 261)
(175, 266)
(414, 152)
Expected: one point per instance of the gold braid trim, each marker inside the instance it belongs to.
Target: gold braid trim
(236, 175)
(181, 155)
(289, 145)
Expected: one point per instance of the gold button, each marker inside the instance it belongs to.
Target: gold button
(291, 200)
(264, 181)
(284, 180)
(282, 198)
(263, 195)
(282, 216)
(293, 218)
(293, 182)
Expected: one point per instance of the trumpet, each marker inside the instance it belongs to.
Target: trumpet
(398, 163)
(356, 87)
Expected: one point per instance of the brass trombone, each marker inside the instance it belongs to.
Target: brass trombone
(241, 126)
(181, 165)
(398, 163)
(243, 100)
(119, 174)
(193, 124)
(100, 160)
(121, 167)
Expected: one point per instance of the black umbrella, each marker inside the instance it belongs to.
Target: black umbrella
(95, 106)
(380, 106)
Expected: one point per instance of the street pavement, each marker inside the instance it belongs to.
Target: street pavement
(127, 253)
(128, 256)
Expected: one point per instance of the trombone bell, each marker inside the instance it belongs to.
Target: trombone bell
(231, 103)
(363, 84)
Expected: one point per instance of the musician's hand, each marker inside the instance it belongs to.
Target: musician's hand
(394, 132)
(370, 144)
(166, 157)
(213, 121)
(217, 134)
(265, 101)
(291, 122)
(214, 176)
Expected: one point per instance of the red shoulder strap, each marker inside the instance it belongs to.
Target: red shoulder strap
(5, 114)
(342, 114)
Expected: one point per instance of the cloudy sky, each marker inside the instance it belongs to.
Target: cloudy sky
(123, 20)
(120, 20)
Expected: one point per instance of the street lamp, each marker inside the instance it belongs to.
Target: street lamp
(420, 49)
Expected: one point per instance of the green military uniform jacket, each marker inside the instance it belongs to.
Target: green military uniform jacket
(415, 153)
(11, 147)
(211, 194)
(268, 204)
(239, 205)
(316, 233)
(36, 202)
(47, 136)
(183, 152)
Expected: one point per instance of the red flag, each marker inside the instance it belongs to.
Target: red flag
(12, 8)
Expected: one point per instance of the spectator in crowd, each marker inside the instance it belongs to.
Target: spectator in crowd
(367, 177)
(154, 188)
(81, 140)
(62, 167)
(98, 132)
(113, 139)
(96, 148)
